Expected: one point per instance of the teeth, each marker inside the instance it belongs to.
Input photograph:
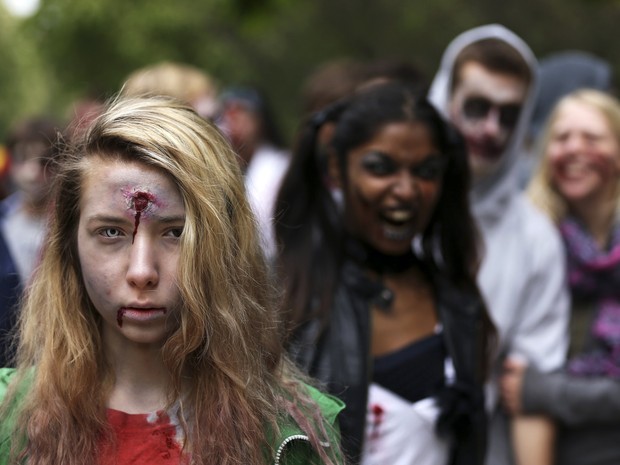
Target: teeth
(398, 215)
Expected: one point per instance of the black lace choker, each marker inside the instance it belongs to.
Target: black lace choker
(377, 261)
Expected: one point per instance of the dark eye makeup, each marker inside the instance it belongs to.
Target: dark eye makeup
(381, 164)
(431, 168)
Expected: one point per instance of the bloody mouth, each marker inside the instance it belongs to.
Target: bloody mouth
(119, 317)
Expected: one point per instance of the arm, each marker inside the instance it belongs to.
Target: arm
(542, 330)
(533, 439)
(572, 400)
(541, 338)
(533, 436)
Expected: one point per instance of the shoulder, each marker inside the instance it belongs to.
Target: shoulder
(6, 376)
(535, 222)
(268, 159)
(9, 376)
(293, 446)
(7, 423)
(329, 405)
(530, 233)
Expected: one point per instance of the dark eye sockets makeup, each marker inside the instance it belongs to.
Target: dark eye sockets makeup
(477, 108)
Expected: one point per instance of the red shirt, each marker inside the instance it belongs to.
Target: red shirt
(142, 439)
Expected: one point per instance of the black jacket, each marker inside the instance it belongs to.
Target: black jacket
(339, 356)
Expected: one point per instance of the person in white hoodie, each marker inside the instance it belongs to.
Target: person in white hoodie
(486, 86)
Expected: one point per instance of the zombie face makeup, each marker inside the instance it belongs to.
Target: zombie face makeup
(584, 155)
(132, 217)
(392, 186)
(486, 106)
(140, 202)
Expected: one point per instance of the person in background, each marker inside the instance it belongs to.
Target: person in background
(578, 187)
(329, 82)
(142, 339)
(82, 112)
(486, 85)
(399, 333)
(393, 69)
(246, 118)
(32, 146)
(559, 74)
(185, 82)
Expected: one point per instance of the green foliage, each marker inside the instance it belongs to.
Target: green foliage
(22, 89)
(75, 47)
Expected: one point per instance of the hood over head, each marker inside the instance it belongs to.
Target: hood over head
(495, 188)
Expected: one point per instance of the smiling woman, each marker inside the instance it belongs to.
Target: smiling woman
(399, 332)
(151, 273)
(578, 186)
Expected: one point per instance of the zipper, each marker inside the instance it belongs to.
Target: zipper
(286, 442)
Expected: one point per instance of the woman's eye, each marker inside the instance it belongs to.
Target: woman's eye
(430, 169)
(175, 232)
(111, 232)
(378, 166)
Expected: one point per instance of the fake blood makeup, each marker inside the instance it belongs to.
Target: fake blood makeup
(140, 202)
(119, 317)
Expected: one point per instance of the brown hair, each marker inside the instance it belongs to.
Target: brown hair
(494, 54)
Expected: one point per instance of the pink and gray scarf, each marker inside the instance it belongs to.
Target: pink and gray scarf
(594, 275)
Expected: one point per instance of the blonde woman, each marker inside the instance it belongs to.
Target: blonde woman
(149, 334)
(578, 186)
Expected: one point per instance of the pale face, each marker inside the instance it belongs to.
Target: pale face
(584, 155)
(485, 107)
(394, 182)
(131, 219)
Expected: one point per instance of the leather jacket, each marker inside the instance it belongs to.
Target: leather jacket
(338, 355)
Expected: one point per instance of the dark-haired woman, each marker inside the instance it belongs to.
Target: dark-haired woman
(379, 265)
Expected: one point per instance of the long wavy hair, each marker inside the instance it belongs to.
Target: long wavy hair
(541, 189)
(225, 355)
(310, 229)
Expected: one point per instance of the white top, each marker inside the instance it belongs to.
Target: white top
(262, 181)
(401, 433)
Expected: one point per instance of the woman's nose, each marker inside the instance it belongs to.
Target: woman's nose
(142, 270)
(405, 186)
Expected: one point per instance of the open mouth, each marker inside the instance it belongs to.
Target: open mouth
(572, 170)
(397, 225)
(485, 149)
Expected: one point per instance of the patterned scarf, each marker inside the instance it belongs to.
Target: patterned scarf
(594, 275)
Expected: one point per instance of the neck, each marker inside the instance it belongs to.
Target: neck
(377, 261)
(597, 221)
(140, 378)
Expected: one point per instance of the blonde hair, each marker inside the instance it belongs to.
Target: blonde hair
(227, 344)
(541, 190)
(181, 81)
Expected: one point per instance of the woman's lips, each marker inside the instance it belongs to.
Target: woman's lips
(138, 313)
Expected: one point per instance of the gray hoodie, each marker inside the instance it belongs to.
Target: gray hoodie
(522, 276)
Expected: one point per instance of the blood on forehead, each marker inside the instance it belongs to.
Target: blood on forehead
(140, 202)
